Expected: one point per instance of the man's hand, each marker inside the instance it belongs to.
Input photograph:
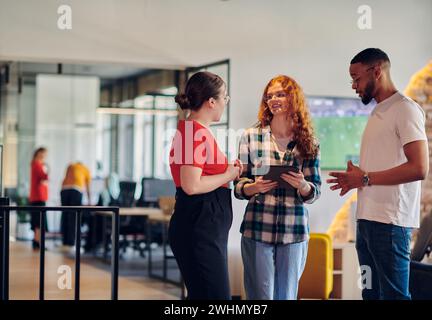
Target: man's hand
(351, 179)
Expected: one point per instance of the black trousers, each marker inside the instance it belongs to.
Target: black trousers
(35, 216)
(69, 197)
(198, 235)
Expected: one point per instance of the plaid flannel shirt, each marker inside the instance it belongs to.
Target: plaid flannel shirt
(279, 216)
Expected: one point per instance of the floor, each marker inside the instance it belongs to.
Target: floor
(134, 283)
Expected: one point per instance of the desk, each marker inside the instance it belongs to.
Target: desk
(154, 216)
(145, 212)
(135, 211)
(164, 220)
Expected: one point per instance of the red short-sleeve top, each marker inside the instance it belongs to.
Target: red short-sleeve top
(38, 184)
(194, 145)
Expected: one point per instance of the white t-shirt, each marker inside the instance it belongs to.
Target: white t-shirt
(393, 123)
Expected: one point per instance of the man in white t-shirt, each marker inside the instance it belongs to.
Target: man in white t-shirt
(393, 161)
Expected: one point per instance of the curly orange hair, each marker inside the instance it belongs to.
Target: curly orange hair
(302, 123)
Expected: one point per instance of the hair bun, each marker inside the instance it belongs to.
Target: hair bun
(183, 101)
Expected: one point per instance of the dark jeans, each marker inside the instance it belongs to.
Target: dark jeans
(69, 197)
(384, 250)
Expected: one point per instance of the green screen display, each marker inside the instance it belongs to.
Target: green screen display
(339, 124)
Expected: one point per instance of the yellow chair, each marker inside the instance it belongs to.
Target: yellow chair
(317, 279)
(167, 203)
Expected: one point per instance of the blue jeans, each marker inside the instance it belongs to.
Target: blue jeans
(272, 271)
(384, 250)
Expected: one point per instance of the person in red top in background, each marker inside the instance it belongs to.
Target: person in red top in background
(202, 217)
(38, 190)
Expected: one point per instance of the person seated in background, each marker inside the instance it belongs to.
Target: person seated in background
(76, 181)
(108, 197)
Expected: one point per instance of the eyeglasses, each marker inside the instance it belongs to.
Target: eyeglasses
(279, 95)
(227, 98)
(356, 80)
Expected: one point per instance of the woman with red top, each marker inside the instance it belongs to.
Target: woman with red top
(38, 190)
(202, 217)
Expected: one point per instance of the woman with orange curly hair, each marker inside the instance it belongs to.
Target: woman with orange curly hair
(275, 227)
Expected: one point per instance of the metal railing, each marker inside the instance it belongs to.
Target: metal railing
(5, 210)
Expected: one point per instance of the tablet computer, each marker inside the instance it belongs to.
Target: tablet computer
(275, 172)
(272, 172)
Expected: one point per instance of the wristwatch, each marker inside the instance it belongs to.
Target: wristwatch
(366, 180)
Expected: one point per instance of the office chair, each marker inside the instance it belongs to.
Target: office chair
(108, 194)
(131, 226)
(166, 204)
(146, 199)
(421, 273)
(316, 281)
(126, 197)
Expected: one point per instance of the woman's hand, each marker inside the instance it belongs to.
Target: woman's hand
(233, 170)
(237, 163)
(298, 181)
(259, 186)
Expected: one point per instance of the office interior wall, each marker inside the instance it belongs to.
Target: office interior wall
(125, 144)
(312, 40)
(17, 119)
(9, 126)
(26, 136)
(156, 81)
(66, 124)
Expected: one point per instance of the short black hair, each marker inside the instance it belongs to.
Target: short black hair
(370, 56)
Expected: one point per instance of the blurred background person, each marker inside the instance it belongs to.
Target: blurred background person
(38, 191)
(76, 181)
